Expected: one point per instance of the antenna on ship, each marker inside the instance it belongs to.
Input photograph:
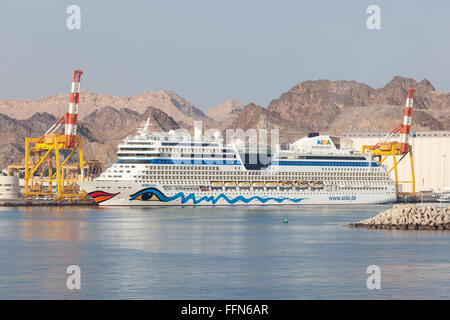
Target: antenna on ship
(147, 124)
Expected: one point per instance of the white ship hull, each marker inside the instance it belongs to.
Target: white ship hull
(135, 194)
(174, 169)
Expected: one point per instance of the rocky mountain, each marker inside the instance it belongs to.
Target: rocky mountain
(110, 126)
(13, 133)
(340, 106)
(101, 131)
(166, 100)
(258, 117)
(330, 107)
(225, 113)
(317, 103)
(382, 119)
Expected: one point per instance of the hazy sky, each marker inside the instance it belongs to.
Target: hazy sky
(210, 51)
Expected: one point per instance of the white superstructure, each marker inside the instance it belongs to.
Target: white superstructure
(172, 168)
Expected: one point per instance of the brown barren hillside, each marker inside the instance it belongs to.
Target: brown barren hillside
(226, 112)
(257, 117)
(332, 107)
(336, 107)
(101, 131)
(166, 100)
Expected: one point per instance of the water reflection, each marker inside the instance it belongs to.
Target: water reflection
(50, 224)
(215, 253)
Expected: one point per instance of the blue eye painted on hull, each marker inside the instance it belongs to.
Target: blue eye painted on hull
(149, 194)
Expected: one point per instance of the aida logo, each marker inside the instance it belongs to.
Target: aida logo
(324, 142)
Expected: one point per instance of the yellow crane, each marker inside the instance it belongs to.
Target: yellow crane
(393, 149)
(47, 156)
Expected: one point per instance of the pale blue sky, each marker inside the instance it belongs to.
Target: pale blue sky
(209, 51)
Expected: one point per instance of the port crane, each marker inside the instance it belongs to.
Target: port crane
(50, 154)
(392, 149)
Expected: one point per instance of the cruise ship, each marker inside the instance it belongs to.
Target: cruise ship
(174, 169)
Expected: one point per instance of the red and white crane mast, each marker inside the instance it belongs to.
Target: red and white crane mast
(72, 116)
(405, 128)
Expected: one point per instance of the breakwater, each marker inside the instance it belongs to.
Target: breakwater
(408, 217)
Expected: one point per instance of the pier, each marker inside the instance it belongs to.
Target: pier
(45, 203)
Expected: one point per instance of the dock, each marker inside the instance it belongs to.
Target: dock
(46, 203)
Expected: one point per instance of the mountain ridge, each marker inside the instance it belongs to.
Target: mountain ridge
(101, 131)
(167, 100)
(329, 107)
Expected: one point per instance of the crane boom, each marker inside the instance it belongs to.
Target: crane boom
(404, 128)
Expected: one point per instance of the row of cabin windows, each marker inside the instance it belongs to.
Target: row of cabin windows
(183, 155)
(169, 176)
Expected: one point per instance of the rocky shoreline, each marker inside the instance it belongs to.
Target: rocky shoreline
(408, 217)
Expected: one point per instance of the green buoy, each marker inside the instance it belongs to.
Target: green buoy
(285, 220)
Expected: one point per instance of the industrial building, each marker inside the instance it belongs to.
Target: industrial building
(431, 154)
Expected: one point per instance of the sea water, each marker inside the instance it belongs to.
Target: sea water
(257, 252)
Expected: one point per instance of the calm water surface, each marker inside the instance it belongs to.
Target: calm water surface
(216, 253)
